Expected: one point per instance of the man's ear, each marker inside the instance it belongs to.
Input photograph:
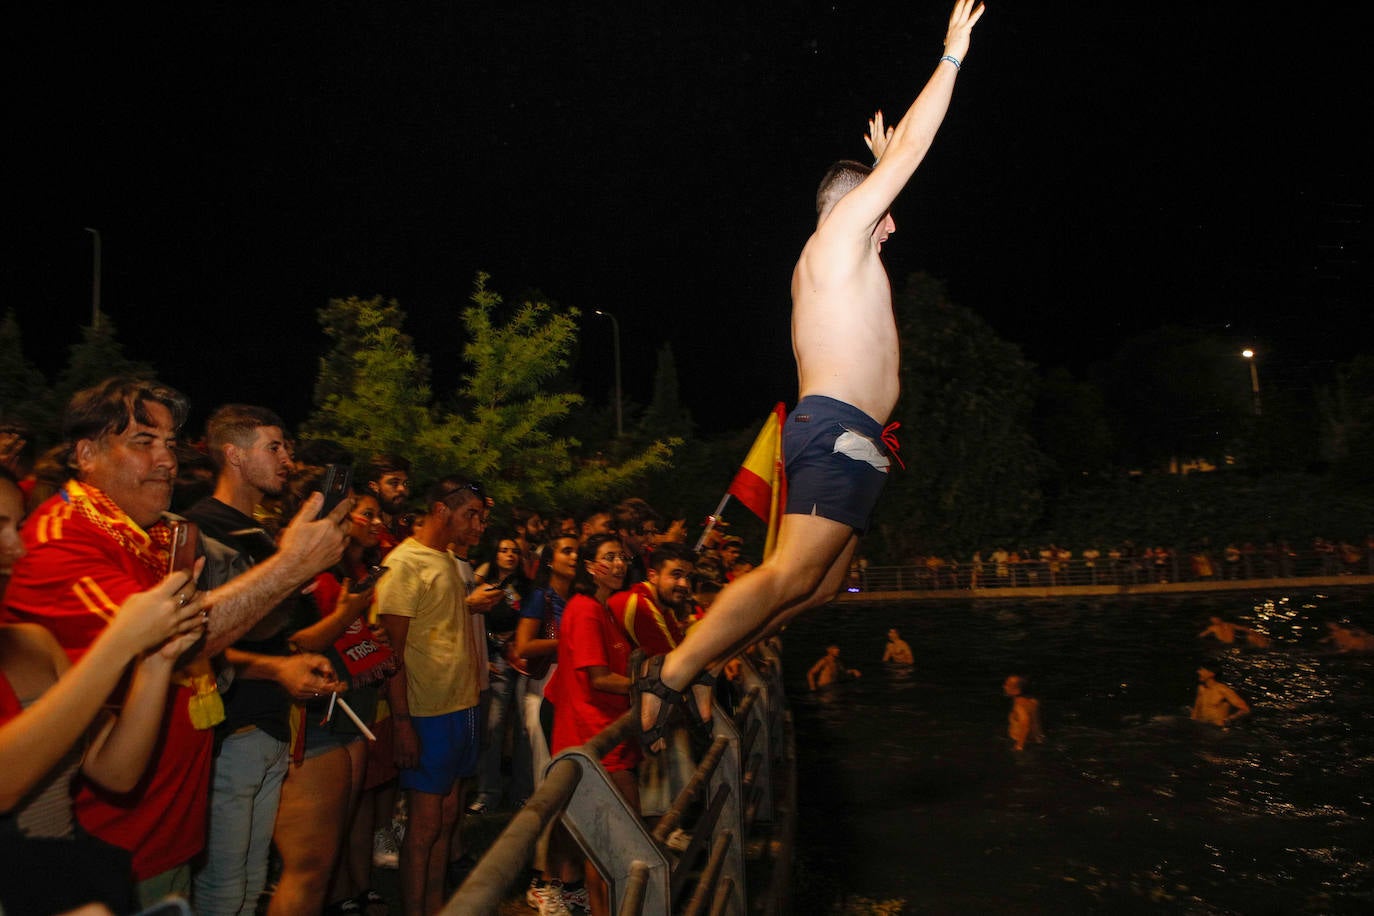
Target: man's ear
(83, 455)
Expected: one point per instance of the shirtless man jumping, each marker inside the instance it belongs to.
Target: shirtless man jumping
(844, 336)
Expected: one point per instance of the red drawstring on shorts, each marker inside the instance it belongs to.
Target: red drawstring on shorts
(890, 440)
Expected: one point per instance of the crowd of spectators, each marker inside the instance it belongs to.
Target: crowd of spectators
(1126, 563)
(329, 671)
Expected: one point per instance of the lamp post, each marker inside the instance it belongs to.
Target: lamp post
(615, 339)
(1249, 355)
(95, 279)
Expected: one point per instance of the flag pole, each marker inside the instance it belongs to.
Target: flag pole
(711, 523)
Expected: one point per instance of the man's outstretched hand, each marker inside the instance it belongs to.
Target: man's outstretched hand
(961, 22)
(877, 137)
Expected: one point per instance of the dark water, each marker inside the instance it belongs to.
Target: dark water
(912, 801)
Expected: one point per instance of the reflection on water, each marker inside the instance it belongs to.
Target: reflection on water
(912, 800)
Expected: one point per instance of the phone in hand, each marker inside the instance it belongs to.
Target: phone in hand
(185, 546)
(373, 574)
(337, 483)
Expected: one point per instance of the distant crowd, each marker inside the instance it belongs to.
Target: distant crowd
(1125, 563)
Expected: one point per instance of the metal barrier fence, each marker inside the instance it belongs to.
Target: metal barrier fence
(741, 787)
(1177, 566)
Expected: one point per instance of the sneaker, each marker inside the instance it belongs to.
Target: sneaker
(541, 894)
(477, 807)
(385, 854)
(552, 905)
(534, 896)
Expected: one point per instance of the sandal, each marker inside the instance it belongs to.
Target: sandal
(700, 729)
(651, 682)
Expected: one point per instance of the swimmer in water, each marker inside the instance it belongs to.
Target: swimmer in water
(897, 651)
(1023, 724)
(1225, 633)
(829, 670)
(1216, 703)
(1348, 639)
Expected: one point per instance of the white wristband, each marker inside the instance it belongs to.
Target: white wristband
(953, 60)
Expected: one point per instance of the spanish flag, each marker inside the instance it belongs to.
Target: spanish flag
(760, 484)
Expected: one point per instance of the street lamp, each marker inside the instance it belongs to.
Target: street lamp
(1249, 355)
(615, 338)
(95, 279)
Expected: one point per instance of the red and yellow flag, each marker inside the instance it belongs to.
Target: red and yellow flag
(760, 483)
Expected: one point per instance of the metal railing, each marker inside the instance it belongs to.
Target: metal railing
(734, 792)
(1177, 566)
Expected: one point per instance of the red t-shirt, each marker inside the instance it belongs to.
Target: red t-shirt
(588, 637)
(72, 581)
(649, 626)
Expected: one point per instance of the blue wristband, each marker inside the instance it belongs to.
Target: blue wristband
(953, 60)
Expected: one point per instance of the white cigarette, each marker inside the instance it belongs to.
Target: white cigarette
(329, 713)
(348, 710)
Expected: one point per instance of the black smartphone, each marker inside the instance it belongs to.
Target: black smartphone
(373, 574)
(185, 544)
(337, 483)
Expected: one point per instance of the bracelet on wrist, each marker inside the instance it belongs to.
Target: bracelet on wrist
(958, 65)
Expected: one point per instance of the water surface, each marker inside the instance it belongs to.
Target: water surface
(912, 800)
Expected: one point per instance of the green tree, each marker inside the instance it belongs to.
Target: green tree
(666, 414)
(965, 410)
(1175, 393)
(25, 398)
(1071, 428)
(96, 357)
(374, 395)
(1346, 408)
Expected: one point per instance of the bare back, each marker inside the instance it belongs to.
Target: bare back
(844, 333)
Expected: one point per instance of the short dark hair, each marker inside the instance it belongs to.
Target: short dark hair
(109, 407)
(442, 489)
(381, 465)
(235, 424)
(672, 551)
(631, 514)
(842, 177)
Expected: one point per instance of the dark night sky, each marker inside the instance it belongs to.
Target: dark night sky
(1104, 169)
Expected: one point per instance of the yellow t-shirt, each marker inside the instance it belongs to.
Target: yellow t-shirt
(425, 585)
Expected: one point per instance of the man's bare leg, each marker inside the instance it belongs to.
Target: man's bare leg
(793, 577)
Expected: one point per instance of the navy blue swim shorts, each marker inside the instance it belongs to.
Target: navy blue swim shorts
(836, 461)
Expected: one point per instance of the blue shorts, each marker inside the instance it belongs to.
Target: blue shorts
(836, 461)
(449, 746)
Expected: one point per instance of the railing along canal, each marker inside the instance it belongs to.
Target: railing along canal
(739, 804)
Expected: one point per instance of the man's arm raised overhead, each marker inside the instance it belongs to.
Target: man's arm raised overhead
(899, 150)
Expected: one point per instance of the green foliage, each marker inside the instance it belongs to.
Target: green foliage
(96, 357)
(24, 395)
(1221, 506)
(1071, 428)
(1175, 393)
(666, 415)
(373, 395)
(1346, 408)
(972, 468)
(372, 392)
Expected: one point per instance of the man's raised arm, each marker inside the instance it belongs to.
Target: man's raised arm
(899, 150)
(308, 545)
